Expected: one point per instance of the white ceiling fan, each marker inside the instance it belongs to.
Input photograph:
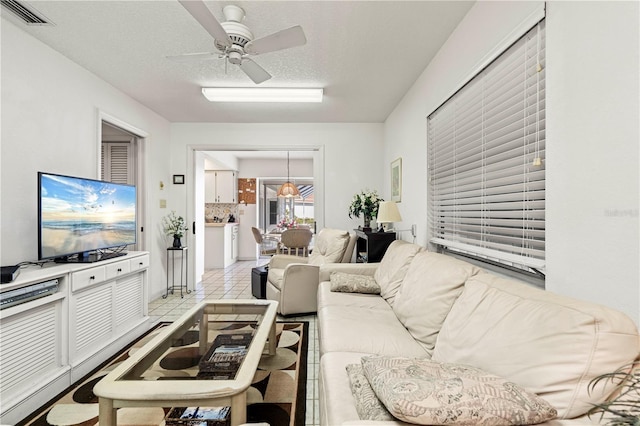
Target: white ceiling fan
(234, 41)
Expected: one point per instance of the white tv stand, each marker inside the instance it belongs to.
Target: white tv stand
(49, 343)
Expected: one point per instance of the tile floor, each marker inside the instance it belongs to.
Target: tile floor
(234, 282)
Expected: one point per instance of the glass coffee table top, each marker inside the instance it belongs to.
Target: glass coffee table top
(197, 360)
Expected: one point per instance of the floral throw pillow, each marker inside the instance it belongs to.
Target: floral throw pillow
(428, 392)
(368, 405)
(352, 283)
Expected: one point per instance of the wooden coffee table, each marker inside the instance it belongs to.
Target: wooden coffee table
(125, 386)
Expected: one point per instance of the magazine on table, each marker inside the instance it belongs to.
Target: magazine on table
(206, 413)
(227, 355)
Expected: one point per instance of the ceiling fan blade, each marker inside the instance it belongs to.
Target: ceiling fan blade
(189, 57)
(203, 15)
(284, 39)
(254, 71)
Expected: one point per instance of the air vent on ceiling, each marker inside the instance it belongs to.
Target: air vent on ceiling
(27, 13)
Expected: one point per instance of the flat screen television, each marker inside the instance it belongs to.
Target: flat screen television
(84, 220)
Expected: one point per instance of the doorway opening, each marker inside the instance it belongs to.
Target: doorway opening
(254, 166)
(121, 160)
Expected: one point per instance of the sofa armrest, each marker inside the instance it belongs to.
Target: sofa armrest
(348, 268)
(280, 261)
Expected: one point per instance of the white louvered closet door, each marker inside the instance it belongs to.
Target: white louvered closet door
(118, 165)
(486, 151)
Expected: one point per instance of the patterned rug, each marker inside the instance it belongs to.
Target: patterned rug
(277, 395)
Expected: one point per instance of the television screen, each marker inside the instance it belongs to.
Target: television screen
(81, 217)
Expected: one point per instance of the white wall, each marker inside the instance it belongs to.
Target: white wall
(592, 138)
(351, 155)
(50, 123)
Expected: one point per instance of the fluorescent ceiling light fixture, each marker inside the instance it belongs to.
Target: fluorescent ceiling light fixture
(260, 94)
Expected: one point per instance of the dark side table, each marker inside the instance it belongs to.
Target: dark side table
(371, 246)
(259, 282)
(184, 270)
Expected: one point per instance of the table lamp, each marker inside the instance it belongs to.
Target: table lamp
(387, 214)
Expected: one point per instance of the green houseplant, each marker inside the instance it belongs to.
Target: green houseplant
(174, 226)
(624, 408)
(366, 204)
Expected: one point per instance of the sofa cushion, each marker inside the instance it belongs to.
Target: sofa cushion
(368, 405)
(374, 331)
(337, 403)
(432, 284)
(393, 267)
(431, 393)
(550, 344)
(353, 283)
(326, 297)
(274, 276)
(329, 246)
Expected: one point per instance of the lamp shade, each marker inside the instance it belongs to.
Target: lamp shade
(288, 190)
(388, 212)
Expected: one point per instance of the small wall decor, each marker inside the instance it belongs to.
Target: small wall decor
(178, 179)
(396, 180)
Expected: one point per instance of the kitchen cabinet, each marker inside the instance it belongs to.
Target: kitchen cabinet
(220, 186)
(221, 245)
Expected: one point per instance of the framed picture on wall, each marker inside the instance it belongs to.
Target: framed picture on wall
(396, 180)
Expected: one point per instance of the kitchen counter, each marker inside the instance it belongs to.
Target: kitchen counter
(219, 224)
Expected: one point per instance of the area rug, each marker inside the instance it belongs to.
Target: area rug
(277, 395)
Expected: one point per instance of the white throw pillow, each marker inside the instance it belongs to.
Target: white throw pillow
(427, 392)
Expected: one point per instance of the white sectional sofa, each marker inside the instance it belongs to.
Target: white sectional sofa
(436, 307)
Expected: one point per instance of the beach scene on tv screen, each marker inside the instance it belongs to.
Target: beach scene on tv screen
(79, 215)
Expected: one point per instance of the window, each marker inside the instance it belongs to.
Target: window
(486, 150)
(278, 209)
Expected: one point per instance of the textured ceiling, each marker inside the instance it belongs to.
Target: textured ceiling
(365, 54)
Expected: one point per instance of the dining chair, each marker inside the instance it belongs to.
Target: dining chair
(296, 241)
(268, 245)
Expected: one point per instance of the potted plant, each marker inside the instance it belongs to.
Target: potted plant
(174, 227)
(366, 204)
(624, 408)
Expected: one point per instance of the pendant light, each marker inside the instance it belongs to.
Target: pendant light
(288, 189)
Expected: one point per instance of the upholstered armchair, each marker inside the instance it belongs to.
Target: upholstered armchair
(293, 280)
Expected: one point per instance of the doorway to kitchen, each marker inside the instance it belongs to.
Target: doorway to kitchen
(257, 164)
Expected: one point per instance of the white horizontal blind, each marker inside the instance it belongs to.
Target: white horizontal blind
(486, 150)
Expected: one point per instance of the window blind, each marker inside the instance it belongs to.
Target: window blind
(486, 150)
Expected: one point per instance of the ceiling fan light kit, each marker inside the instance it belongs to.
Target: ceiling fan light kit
(234, 40)
(255, 94)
